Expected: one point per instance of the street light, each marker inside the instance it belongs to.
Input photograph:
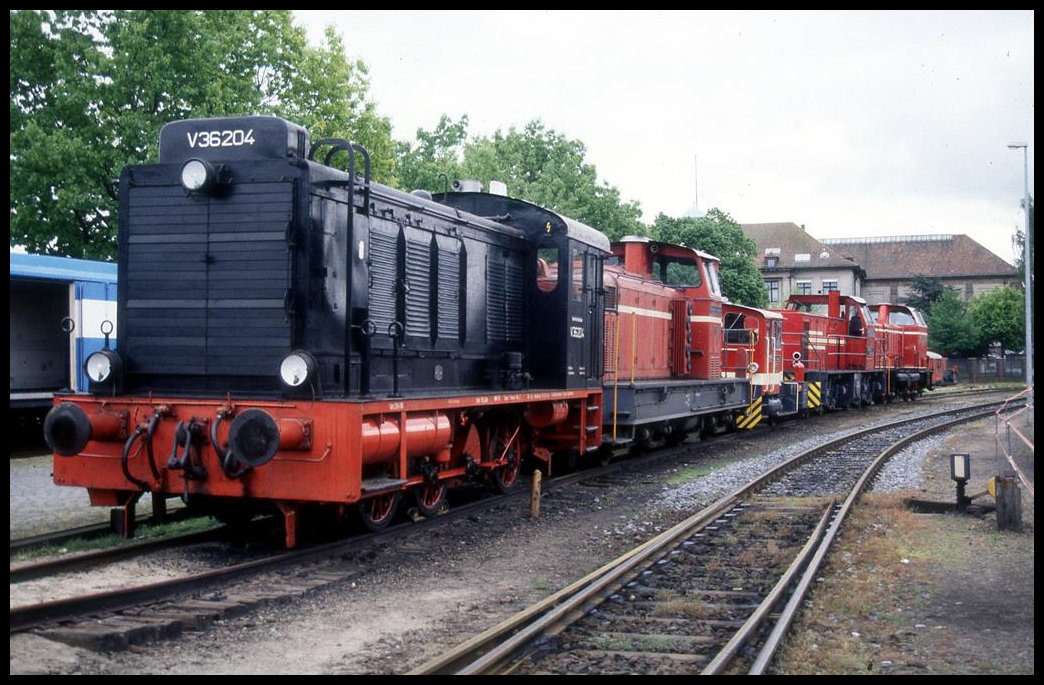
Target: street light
(1027, 270)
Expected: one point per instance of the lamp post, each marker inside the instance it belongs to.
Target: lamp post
(1027, 270)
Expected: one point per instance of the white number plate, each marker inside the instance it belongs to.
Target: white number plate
(232, 138)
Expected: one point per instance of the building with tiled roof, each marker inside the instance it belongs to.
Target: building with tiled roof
(957, 261)
(793, 262)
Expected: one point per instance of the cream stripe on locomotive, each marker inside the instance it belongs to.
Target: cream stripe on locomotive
(640, 311)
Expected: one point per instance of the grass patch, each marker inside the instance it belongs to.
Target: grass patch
(672, 604)
(540, 585)
(862, 611)
(686, 475)
(143, 533)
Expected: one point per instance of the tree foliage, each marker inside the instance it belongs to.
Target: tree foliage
(435, 159)
(90, 91)
(537, 163)
(926, 291)
(950, 331)
(999, 317)
(720, 235)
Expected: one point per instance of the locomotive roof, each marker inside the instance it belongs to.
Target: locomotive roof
(767, 313)
(643, 239)
(524, 215)
(820, 298)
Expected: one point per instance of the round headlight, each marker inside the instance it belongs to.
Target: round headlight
(102, 366)
(297, 369)
(198, 175)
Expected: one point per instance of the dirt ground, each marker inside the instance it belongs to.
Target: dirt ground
(917, 593)
(959, 593)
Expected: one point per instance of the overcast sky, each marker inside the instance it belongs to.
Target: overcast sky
(854, 124)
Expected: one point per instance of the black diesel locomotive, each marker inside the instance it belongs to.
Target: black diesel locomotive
(294, 334)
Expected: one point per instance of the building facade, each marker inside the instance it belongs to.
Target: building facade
(957, 261)
(793, 262)
(875, 269)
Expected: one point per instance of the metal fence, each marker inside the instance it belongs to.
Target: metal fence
(987, 369)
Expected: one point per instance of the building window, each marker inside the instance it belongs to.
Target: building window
(829, 286)
(771, 261)
(804, 287)
(773, 290)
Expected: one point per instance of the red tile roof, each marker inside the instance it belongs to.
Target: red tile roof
(938, 256)
(791, 240)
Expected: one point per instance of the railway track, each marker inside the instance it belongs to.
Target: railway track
(708, 595)
(114, 619)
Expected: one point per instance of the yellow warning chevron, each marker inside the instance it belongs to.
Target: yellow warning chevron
(814, 394)
(752, 416)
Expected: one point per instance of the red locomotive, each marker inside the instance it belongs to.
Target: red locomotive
(905, 341)
(940, 370)
(754, 350)
(664, 344)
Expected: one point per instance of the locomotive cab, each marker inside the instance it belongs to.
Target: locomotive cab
(562, 281)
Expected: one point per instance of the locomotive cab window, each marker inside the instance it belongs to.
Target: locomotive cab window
(547, 268)
(897, 318)
(577, 275)
(679, 272)
(712, 277)
(740, 329)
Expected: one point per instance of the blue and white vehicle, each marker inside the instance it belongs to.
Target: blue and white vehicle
(61, 310)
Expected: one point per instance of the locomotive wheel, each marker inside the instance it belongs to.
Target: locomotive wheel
(429, 498)
(377, 512)
(504, 437)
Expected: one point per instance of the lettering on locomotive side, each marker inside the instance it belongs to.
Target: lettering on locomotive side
(234, 138)
(576, 331)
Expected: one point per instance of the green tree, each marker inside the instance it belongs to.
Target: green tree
(999, 316)
(926, 291)
(950, 332)
(718, 234)
(538, 164)
(543, 166)
(90, 90)
(434, 160)
(327, 93)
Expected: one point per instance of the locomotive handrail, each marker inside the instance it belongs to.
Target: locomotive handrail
(338, 144)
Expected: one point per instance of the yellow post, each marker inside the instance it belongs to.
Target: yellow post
(616, 369)
(634, 342)
(534, 496)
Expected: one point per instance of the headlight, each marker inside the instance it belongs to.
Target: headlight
(103, 366)
(67, 429)
(297, 369)
(253, 437)
(198, 176)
